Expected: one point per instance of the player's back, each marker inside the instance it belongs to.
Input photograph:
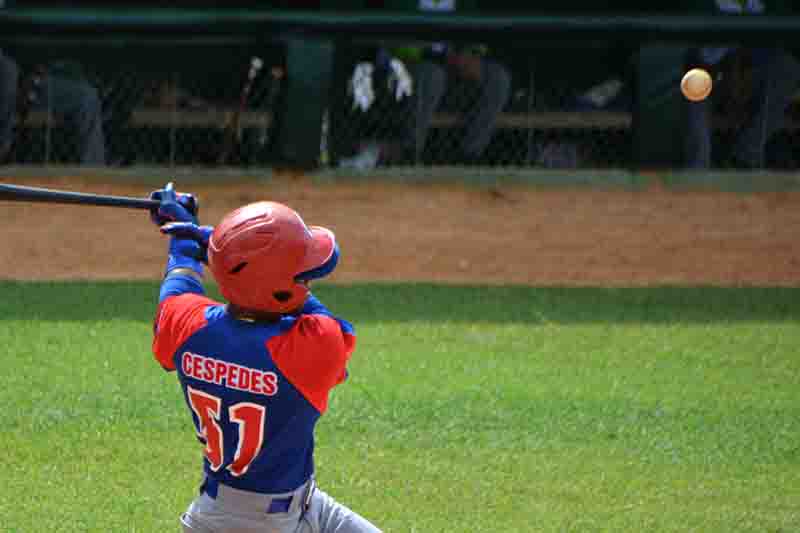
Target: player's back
(255, 389)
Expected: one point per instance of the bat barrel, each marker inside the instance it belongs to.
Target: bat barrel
(19, 193)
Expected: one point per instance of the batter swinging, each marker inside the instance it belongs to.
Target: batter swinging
(255, 373)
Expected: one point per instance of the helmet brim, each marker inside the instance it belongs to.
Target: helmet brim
(321, 250)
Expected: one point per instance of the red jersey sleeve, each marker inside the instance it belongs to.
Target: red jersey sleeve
(313, 356)
(177, 318)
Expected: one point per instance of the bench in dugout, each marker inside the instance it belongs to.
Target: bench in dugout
(197, 128)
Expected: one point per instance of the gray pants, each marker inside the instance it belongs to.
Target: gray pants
(236, 511)
(430, 84)
(775, 82)
(75, 102)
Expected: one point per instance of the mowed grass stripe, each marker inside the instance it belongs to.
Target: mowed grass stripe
(467, 409)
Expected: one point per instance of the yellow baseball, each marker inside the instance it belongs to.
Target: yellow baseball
(696, 84)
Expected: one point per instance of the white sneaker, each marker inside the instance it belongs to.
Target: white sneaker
(366, 159)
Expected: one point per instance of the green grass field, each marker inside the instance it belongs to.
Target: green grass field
(468, 409)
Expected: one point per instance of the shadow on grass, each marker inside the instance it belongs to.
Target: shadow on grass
(369, 303)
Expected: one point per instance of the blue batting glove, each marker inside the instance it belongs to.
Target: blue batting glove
(185, 253)
(187, 231)
(174, 207)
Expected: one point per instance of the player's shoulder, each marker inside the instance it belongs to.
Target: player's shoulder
(321, 326)
(188, 300)
(319, 337)
(188, 306)
(178, 318)
(312, 353)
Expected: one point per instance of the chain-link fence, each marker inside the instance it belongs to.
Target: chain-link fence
(121, 116)
(566, 107)
(488, 110)
(547, 107)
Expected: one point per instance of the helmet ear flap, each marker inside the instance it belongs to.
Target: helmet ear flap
(323, 270)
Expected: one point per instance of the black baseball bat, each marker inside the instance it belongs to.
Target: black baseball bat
(21, 193)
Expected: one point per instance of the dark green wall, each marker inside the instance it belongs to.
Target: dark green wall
(574, 7)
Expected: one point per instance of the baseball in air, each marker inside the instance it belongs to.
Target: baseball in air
(696, 84)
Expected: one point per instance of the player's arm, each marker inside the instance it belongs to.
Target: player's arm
(184, 271)
(176, 217)
(182, 304)
(178, 318)
(181, 307)
(179, 281)
(187, 252)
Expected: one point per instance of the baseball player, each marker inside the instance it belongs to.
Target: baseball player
(255, 373)
(775, 77)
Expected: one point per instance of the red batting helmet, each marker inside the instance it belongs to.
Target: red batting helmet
(261, 254)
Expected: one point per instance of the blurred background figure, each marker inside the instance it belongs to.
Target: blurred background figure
(62, 89)
(755, 88)
(466, 80)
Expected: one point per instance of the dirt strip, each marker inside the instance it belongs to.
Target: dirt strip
(443, 233)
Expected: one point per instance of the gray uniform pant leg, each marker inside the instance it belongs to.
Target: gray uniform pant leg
(430, 84)
(697, 143)
(78, 104)
(481, 120)
(9, 79)
(777, 81)
(324, 515)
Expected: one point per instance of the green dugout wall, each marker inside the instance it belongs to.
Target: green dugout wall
(309, 63)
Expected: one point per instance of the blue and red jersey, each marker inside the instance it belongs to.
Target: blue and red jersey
(255, 390)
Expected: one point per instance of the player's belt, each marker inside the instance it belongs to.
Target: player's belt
(243, 500)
